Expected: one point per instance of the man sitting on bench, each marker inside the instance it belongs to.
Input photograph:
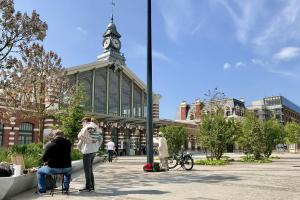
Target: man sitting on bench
(57, 159)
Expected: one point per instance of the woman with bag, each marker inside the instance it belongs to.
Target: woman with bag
(90, 140)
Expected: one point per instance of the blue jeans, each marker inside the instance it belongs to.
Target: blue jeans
(45, 170)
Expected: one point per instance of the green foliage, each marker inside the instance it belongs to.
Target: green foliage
(292, 133)
(272, 135)
(260, 137)
(76, 154)
(32, 153)
(216, 132)
(4, 155)
(252, 137)
(176, 136)
(71, 115)
(252, 159)
(211, 162)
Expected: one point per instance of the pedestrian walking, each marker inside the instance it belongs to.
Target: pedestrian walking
(163, 151)
(110, 150)
(90, 139)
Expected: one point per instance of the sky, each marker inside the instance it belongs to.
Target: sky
(247, 48)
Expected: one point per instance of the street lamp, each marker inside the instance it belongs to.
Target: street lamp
(149, 88)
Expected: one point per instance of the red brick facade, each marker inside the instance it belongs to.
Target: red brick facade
(11, 128)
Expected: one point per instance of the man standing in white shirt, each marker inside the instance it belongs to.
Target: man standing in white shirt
(110, 149)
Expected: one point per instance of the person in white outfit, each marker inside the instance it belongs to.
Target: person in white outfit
(110, 150)
(163, 151)
(90, 139)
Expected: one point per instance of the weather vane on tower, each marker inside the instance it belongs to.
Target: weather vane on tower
(113, 4)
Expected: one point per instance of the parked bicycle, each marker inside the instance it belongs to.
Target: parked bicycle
(184, 159)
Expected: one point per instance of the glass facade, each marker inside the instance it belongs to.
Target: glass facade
(85, 81)
(126, 97)
(114, 94)
(25, 133)
(137, 102)
(100, 90)
(145, 105)
(1, 134)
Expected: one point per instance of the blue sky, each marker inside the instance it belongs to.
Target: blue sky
(248, 48)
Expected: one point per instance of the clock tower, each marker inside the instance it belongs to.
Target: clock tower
(111, 44)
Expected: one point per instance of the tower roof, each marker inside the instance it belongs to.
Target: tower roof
(111, 30)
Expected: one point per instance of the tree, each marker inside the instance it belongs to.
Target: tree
(216, 132)
(18, 30)
(214, 102)
(35, 84)
(252, 139)
(272, 135)
(176, 136)
(71, 114)
(292, 133)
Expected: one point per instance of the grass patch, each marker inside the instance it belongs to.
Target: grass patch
(211, 162)
(251, 159)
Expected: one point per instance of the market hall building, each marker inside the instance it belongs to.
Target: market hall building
(116, 96)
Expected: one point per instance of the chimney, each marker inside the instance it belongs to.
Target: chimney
(183, 110)
(197, 109)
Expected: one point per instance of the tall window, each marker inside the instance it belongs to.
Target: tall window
(100, 90)
(126, 96)
(114, 95)
(85, 81)
(137, 102)
(1, 134)
(145, 105)
(25, 133)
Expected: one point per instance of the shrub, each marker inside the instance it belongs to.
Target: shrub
(211, 162)
(251, 159)
(76, 154)
(4, 156)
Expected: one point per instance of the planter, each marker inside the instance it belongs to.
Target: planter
(11, 186)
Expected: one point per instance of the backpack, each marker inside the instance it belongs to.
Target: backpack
(50, 182)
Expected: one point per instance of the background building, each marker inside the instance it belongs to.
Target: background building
(116, 96)
(283, 109)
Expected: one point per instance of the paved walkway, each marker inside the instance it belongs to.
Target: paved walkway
(126, 180)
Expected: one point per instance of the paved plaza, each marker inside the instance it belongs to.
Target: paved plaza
(126, 180)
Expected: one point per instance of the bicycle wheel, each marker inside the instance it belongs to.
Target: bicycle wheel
(188, 163)
(172, 162)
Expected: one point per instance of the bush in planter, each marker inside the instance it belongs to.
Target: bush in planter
(76, 154)
(211, 162)
(4, 156)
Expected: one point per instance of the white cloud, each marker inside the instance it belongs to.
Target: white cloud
(81, 30)
(240, 64)
(244, 15)
(140, 51)
(287, 53)
(160, 56)
(283, 26)
(180, 18)
(226, 66)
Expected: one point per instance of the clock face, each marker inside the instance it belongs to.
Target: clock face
(106, 43)
(116, 43)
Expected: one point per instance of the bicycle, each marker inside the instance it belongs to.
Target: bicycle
(185, 160)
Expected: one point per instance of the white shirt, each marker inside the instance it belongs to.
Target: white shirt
(110, 145)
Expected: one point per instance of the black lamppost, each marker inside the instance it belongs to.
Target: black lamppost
(149, 87)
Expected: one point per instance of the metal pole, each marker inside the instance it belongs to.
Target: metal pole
(149, 87)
